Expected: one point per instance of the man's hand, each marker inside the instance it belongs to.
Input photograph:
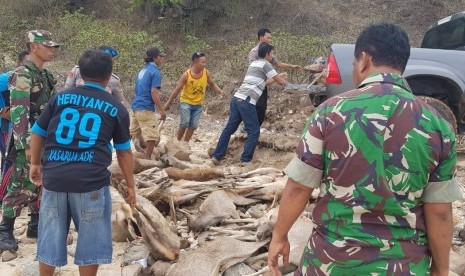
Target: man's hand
(131, 196)
(222, 93)
(167, 106)
(297, 67)
(35, 174)
(278, 247)
(162, 115)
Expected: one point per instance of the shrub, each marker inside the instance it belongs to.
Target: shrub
(293, 49)
(79, 32)
(176, 67)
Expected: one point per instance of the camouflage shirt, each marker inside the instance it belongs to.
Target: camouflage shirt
(376, 153)
(30, 90)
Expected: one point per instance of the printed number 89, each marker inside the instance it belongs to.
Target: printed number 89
(69, 119)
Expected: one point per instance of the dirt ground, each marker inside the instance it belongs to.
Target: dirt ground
(285, 121)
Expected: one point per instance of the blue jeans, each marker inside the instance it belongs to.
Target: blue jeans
(91, 214)
(190, 115)
(240, 110)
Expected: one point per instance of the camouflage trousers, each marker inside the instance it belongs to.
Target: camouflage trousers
(21, 191)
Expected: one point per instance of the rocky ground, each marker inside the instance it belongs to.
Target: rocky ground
(285, 121)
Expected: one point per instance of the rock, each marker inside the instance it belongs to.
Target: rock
(457, 261)
(71, 250)
(160, 268)
(30, 269)
(238, 269)
(27, 240)
(132, 270)
(266, 125)
(8, 255)
(185, 243)
(69, 240)
(19, 231)
(462, 234)
(136, 251)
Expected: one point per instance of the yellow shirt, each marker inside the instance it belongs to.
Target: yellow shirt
(193, 91)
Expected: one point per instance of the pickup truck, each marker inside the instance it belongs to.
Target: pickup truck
(435, 72)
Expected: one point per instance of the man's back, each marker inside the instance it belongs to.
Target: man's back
(385, 165)
(254, 81)
(82, 121)
(147, 78)
(382, 149)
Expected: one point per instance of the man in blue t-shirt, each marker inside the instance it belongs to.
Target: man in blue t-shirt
(76, 127)
(146, 98)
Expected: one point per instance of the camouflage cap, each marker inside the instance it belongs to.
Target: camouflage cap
(41, 36)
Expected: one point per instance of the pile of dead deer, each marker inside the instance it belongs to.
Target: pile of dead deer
(198, 219)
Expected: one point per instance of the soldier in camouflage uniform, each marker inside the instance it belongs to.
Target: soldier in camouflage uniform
(114, 85)
(385, 164)
(31, 87)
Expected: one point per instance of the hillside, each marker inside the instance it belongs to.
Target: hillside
(225, 30)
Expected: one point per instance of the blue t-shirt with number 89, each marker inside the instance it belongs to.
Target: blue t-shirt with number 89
(78, 125)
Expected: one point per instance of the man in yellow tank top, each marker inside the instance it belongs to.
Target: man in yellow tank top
(193, 84)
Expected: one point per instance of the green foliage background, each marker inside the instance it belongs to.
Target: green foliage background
(223, 29)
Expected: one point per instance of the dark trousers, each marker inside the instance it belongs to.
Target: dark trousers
(240, 111)
(261, 106)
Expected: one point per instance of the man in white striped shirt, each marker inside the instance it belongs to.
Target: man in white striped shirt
(264, 36)
(242, 106)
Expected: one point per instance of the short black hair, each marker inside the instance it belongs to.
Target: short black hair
(197, 55)
(95, 65)
(263, 49)
(386, 43)
(262, 32)
(22, 55)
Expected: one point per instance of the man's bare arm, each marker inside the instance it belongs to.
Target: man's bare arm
(213, 85)
(439, 230)
(37, 144)
(294, 199)
(283, 65)
(182, 81)
(280, 78)
(156, 99)
(126, 163)
(35, 171)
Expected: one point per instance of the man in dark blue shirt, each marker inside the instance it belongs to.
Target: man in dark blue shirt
(146, 97)
(76, 127)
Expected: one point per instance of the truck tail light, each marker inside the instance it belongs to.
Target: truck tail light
(333, 77)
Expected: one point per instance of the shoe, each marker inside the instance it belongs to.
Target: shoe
(245, 163)
(216, 161)
(7, 239)
(32, 226)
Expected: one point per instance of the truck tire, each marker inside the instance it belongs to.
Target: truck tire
(443, 109)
